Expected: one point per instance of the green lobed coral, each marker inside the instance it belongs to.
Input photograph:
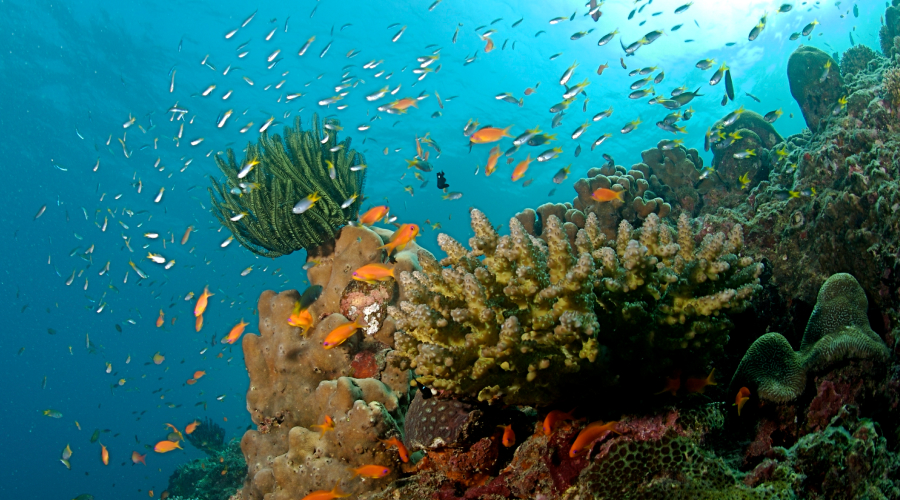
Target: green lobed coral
(838, 329)
(290, 169)
(516, 314)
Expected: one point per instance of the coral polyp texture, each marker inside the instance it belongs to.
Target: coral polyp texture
(256, 202)
(509, 324)
(517, 316)
(838, 329)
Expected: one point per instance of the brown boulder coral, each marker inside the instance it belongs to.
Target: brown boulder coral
(295, 383)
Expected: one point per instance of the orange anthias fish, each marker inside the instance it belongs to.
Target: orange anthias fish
(137, 457)
(104, 454)
(300, 317)
(673, 383)
(166, 446)
(401, 449)
(520, 169)
(403, 104)
(161, 319)
(199, 374)
(401, 237)
(371, 471)
(601, 68)
(591, 434)
(198, 323)
(327, 426)
(235, 333)
(509, 437)
(191, 427)
(371, 273)
(340, 334)
(741, 399)
(553, 417)
(492, 161)
(187, 234)
(202, 301)
(490, 134)
(604, 195)
(699, 384)
(489, 43)
(374, 215)
(327, 495)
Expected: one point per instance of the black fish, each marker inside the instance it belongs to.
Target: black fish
(426, 392)
(631, 14)
(729, 86)
(577, 151)
(751, 96)
(442, 181)
(724, 99)
(310, 295)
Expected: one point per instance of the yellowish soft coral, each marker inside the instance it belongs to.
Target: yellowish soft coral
(516, 316)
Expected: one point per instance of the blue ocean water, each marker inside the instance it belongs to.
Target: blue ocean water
(75, 72)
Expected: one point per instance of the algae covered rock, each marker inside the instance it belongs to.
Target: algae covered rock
(815, 88)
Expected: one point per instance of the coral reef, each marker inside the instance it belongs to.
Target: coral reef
(295, 384)
(515, 323)
(890, 30)
(848, 459)
(837, 329)
(290, 169)
(892, 86)
(208, 437)
(815, 91)
(828, 203)
(856, 59)
(214, 477)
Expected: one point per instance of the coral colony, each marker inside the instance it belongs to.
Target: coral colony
(498, 369)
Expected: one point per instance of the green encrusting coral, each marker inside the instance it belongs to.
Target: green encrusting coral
(514, 316)
(837, 329)
(216, 476)
(289, 170)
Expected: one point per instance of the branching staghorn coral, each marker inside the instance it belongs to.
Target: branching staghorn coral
(514, 316)
(289, 170)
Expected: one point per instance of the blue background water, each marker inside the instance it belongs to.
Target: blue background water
(87, 65)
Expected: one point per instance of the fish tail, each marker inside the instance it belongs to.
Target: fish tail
(710, 380)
